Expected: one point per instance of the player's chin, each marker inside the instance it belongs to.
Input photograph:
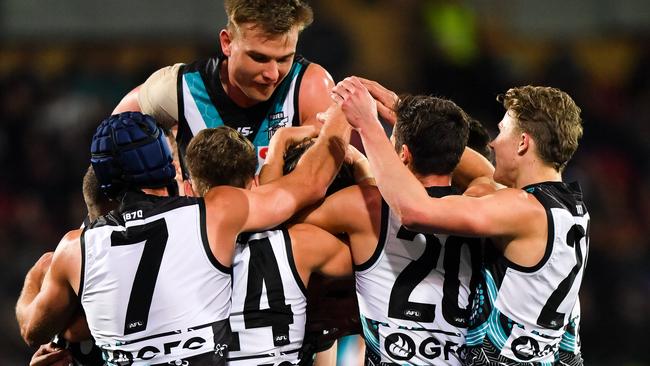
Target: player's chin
(262, 92)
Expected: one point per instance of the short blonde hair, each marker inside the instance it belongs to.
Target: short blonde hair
(274, 16)
(550, 116)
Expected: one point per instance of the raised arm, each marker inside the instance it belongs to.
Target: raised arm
(274, 203)
(43, 311)
(500, 214)
(281, 140)
(471, 166)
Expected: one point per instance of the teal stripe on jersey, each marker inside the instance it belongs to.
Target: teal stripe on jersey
(568, 343)
(209, 113)
(371, 336)
(491, 286)
(475, 336)
(494, 330)
(262, 137)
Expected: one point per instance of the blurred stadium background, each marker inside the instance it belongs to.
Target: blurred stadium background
(65, 64)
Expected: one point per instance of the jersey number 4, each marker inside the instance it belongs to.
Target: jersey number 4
(263, 269)
(399, 306)
(154, 238)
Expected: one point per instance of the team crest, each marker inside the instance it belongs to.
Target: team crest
(276, 120)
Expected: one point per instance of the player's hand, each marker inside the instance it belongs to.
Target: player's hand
(49, 355)
(286, 136)
(386, 99)
(359, 107)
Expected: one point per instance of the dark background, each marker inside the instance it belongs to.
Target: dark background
(64, 65)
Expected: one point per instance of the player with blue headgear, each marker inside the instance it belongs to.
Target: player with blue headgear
(129, 151)
(154, 275)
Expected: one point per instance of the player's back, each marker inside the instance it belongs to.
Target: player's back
(529, 312)
(415, 294)
(151, 288)
(269, 301)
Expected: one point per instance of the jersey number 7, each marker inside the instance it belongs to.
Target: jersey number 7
(154, 238)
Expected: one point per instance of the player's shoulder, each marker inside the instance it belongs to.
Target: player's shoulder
(317, 75)
(68, 250)
(359, 194)
(71, 238)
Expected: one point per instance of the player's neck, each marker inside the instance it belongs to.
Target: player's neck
(232, 91)
(536, 172)
(156, 191)
(434, 180)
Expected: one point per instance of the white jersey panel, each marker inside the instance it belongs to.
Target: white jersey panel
(161, 275)
(414, 298)
(268, 304)
(535, 298)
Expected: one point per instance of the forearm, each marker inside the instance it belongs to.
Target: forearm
(30, 289)
(322, 161)
(472, 165)
(362, 171)
(273, 166)
(398, 186)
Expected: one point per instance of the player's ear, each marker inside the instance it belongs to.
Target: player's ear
(189, 190)
(524, 143)
(225, 39)
(405, 155)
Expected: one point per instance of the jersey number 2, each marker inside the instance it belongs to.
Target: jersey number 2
(154, 235)
(549, 317)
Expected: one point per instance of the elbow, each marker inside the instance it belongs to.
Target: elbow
(30, 337)
(411, 218)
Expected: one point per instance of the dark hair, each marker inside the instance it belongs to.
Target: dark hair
(435, 131)
(344, 178)
(479, 138)
(220, 156)
(97, 203)
(550, 116)
(274, 16)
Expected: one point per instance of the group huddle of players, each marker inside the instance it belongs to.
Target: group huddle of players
(220, 234)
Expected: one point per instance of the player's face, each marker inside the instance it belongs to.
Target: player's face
(258, 62)
(505, 151)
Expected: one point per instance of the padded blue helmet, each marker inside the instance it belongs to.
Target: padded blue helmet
(129, 151)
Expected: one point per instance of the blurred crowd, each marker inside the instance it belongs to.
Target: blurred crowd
(53, 95)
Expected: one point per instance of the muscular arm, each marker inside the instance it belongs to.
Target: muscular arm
(315, 250)
(506, 214)
(45, 311)
(355, 211)
(314, 94)
(471, 166)
(281, 140)
(231, 210)
(274, 203)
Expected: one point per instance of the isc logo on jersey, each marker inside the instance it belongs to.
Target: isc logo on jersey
(401, 347)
